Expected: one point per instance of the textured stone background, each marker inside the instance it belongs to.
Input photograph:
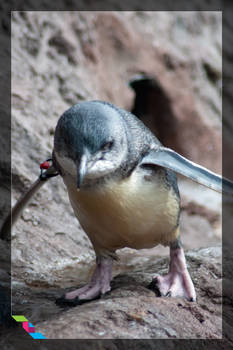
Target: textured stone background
(61, 58)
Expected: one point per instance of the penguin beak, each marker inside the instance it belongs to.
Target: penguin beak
(82, 170)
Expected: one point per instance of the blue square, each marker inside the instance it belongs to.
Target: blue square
(37, 336)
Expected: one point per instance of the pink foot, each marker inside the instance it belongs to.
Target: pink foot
(99, 285)
(177, 283)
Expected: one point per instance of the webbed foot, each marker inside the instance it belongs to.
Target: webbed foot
(98, 286)
(177, 283)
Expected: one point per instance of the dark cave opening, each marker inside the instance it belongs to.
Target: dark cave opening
(179, 129)
(153, 107)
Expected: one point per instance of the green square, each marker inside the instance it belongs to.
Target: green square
(19, 318)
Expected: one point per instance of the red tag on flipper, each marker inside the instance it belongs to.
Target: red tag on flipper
(44, 165)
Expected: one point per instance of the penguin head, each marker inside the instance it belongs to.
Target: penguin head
(90, 141)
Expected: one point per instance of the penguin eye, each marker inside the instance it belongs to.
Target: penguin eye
(106, 146)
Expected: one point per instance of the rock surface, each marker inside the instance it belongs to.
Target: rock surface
(61, 58)
(131, 310)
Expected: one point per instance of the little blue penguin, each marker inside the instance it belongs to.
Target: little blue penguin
(123, 190)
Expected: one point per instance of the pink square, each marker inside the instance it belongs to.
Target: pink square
(26, 326)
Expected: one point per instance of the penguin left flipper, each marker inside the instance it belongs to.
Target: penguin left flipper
(170, 159)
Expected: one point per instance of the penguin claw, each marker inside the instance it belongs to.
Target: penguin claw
(65, 302)
(192, 299)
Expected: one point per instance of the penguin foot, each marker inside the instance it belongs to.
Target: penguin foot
(98, 286)
(177, 283)
(174, 285)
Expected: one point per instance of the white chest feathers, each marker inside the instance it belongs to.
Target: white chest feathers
(134, 212)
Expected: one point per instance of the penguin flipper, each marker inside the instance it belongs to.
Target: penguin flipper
(5, 231)
(170, 159)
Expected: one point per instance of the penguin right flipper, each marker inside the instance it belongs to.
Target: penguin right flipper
(12, 217)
